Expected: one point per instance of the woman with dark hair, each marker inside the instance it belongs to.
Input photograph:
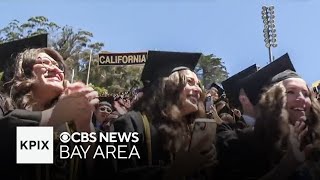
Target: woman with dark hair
(173, 105)
(39, 84)
(38, 79)
(172, 99)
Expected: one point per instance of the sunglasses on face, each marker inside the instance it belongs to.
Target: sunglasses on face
(105, 109)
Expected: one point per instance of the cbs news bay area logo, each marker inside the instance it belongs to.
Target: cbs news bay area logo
(35, 145)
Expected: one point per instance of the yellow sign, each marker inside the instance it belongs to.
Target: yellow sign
(110, 59)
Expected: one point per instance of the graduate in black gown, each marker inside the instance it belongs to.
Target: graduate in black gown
(234, 91)
(172, 99)
(275, 148)
(37, 83)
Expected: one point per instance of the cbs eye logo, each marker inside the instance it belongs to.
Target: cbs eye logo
(78, 137)
(34, 145)
(64, 137)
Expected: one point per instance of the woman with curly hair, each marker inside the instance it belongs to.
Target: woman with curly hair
(284, 142)
(39, 79)
(287, 129)
(39, 84)
(172, 99)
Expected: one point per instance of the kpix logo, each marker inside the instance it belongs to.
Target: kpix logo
(34, 145)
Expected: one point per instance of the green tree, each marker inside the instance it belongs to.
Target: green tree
(101, 90)
(75, 46)
(211, 69)
(117, 78)
(34, 26)
(77, 49)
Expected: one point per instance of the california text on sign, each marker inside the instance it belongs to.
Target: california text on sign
(106, 59)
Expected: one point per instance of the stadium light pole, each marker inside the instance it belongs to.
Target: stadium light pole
(269, 31)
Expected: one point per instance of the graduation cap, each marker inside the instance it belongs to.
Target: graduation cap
(106, 100)
(161, 64)
(231, 85)
(218, 87)
(253, 85)
(9, 51)
(284, 75)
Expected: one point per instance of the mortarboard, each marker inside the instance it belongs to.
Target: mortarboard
(218, 87)
(284, 75)
(253, 85)
(105, 103)
(106, 100)
(162, 63)
(231, 86)
(9, 50)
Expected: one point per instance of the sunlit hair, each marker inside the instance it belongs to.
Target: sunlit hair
(161, 101)
(20, 85)
(272, 123)
(212, 90)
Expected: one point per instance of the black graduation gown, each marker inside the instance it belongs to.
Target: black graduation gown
(229, 127)
(238, 157)
(8, 124)
(134, 167)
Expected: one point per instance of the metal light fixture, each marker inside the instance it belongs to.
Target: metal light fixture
(269, 31)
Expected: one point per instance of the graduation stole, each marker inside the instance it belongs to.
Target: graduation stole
(147, 132)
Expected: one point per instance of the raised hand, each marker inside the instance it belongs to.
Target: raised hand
(76, 104)
(87, 98)
(297, 133)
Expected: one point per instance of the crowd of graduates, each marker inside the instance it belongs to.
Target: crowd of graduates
(267, 120)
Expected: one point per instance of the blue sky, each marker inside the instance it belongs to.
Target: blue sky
(230, 29)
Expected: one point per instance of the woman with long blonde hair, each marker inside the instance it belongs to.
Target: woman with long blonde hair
(288, 124)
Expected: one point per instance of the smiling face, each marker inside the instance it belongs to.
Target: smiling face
(190, 94)
(48, 74)
(298, 99)
(214, 93)
(102, 113)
